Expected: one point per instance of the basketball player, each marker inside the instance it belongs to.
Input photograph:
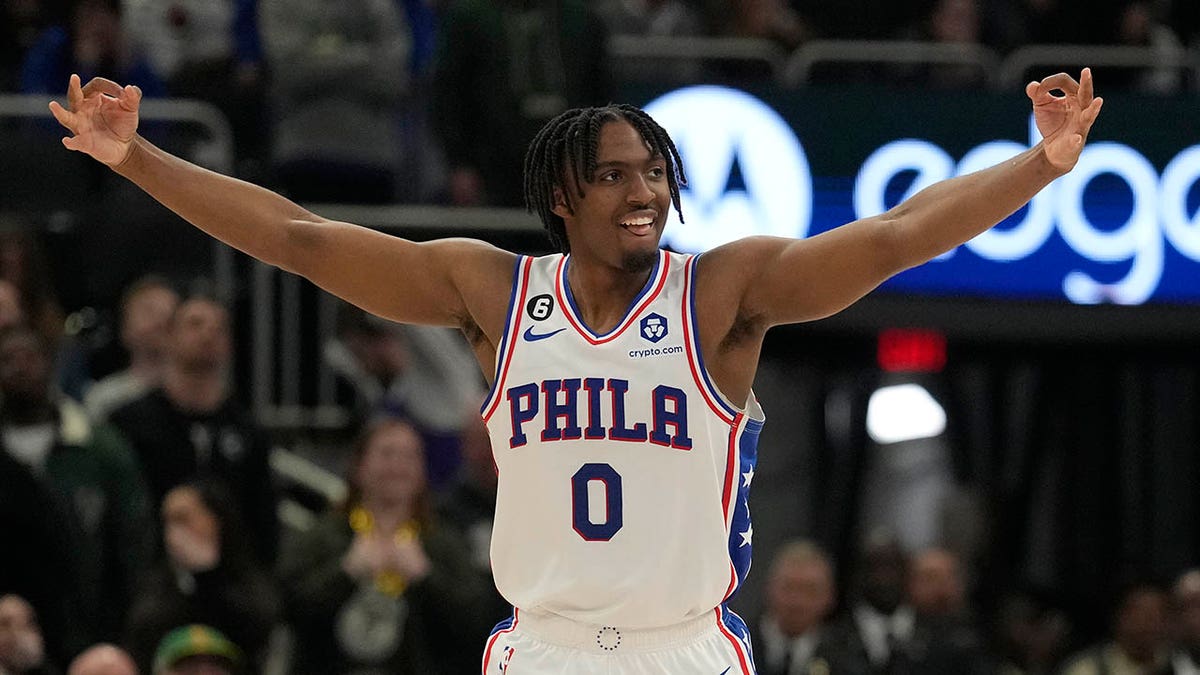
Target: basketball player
(621, 415)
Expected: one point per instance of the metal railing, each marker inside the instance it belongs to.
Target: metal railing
(1014, 68)
(628, 53)
(797, 71)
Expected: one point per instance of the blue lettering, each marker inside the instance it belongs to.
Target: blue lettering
(561, 406)
(521, 414)
(674, 415)
(618, 431)
(595, 429)
(568, 410)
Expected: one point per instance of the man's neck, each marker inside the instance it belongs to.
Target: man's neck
(195, 391)
(603, 294)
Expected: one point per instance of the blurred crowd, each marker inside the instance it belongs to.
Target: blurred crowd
(433, 101)
(139, 507)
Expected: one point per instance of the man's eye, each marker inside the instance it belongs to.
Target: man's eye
(611, 176)
(657, 172)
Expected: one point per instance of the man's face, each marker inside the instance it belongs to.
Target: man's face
(1142, 624)
(1187, 609)
(146, 322)
(21, 646)
(800, 595)
(24, 369)
(935, 586)
(200, 337)
(620, 218)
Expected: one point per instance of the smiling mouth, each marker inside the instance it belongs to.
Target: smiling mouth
(640, 225)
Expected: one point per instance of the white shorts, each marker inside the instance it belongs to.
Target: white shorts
(531, 643)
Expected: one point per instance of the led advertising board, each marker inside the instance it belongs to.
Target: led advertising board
(1123, 228)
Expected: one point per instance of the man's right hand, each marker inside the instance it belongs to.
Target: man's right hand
(103, 119)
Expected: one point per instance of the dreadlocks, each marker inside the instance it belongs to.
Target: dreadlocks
(567, 144)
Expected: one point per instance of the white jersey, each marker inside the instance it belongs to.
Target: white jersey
(623, 472)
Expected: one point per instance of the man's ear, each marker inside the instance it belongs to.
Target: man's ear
(561, 208)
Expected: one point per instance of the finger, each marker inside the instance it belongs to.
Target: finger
(1061, 81)
(1031, 90)
(1086, 89)
(74, 92)
(65, 117)
(102, 86)
(1089, 114)
(130, 98)
(71, 143)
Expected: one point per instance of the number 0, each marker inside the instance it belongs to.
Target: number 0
(581, 518)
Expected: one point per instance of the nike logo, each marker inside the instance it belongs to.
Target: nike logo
(724, 671)
(530, 336)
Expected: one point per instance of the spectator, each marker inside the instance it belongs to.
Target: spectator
(196, 650)
(470, 507)
(11, 313)
(21, 21)
(1034, 635)
(37, 563)
(88, 466)
(1014, 23)
(23, 264)
(652, 18)
(209, 576)
(207, 50)
(503, 69)
(191, 426)
(1185, 598)
(951, 22)
(103, 659)
(792, 638)
(1139, 645)
(422, 373)
(378, 585)
(22, 650)
(880, 625)
(339, 77)
(649, 17)
(945, 640)
(146, 310)
(773, 20)
(936, 588)
(1139, 25)
(92, 43)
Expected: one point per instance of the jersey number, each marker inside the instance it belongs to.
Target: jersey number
(581, 517)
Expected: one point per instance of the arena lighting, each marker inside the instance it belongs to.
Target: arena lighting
(904, 412)
(911, 350)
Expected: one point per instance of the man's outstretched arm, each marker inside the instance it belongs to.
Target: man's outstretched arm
(775, 281)
(432, 283)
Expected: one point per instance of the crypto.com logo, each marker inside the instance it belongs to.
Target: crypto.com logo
(747, 173)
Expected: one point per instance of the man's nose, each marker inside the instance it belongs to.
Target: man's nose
(639, 191)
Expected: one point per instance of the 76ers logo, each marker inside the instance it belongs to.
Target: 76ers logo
(508, 654)
(654, 327)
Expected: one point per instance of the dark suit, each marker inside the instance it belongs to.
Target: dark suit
(832, 656)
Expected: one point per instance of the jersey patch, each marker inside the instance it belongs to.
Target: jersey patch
(540, 307)
(654, 327)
